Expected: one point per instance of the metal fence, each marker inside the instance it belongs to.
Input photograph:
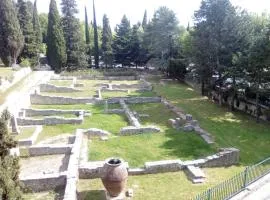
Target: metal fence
(236, 184)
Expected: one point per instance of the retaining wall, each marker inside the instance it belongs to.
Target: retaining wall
(48, 112)
(53, 88)
(49, 121)
(47, 150)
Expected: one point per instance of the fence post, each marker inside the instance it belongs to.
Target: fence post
(209, 194)
(245, 177)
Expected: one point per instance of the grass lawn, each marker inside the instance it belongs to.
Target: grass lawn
(26, 132)
(66, 83)
(170, 144)
(48, 195)
(229, 129)
(6, 72)
(169, 186)
(109, 122)
(15, 87)
(106, 95)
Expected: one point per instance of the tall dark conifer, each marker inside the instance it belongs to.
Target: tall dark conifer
(95, 37)
(56, 47)
(75, 46)
(106, 42)
(144, 22)
(25, 16)
(87, 38)
(11, 38)
(37, 27)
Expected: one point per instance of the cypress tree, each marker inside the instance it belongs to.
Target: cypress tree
(106, 42)
(9, 165)
(87, 38)
(95, 37)
(144, 22)
(25, 16)
(74, 43)
(11, 38)
(56, 47)
(36, 26)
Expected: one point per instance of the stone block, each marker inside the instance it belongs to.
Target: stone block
(188, 128)
(188, 117)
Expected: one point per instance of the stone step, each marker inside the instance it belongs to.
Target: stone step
(195, 174)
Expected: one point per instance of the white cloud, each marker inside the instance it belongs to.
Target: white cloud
(134, 9)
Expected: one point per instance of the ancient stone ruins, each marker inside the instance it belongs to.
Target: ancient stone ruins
(62, 160)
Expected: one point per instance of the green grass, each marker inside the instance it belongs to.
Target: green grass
(229, 129)
(66, 83)
(169, 186)
(15, 87)
(6, 72)
(139, 149)
(170, 144)
(109, 122)
(106, 95)
(26, 132)
(48, 195)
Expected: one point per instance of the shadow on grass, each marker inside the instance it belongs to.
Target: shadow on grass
(91, 195)
(186, 145)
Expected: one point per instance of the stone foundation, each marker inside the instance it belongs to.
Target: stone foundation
(49, 121)
(47, 150)
(131, 130)
(56, 89)
(49, 112)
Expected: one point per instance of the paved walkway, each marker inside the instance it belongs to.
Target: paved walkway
(18, 99)
(259, 190)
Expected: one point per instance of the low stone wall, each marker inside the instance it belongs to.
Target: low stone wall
(47, 150)
(30, 141)
(48, 112)
(49, 121)
(115, 111)
(58, 100)
(132, 119)
(132, 130)
(134, 100)
(226, 157)
(44, 183)
(53, 88)
(73, 166)
(96, 132)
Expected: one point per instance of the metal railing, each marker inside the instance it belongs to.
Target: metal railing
(237, 183)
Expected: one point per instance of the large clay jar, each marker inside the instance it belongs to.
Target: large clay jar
(114, 176)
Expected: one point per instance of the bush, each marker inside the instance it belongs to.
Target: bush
(177, 69)
(25, 63)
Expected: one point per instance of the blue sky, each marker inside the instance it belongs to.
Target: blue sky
(134, 9)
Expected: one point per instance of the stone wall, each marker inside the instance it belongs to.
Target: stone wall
(226, 157)
(49, 121)
(57, 100)
(53, 88)
(47, 112)
(132, 130)
(96, 132)
(44, 183)
(47, 150)
(132, 119)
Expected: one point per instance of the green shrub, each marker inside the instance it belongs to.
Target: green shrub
(25, 63)
(177, 69)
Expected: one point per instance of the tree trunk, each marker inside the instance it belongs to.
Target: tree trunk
(257, 107)
(202, 88)
(233, 95)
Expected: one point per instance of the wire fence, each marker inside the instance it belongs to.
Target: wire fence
(237, 183)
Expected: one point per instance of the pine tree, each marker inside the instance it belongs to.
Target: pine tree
(95, 37)
(56, 47)
(75, 46)
(11, 38)
(37, 27)
(25, 16)
(106, 42)
(9, 165)
(135, 45)
(144, 22)
(121, 43)
(87, 38)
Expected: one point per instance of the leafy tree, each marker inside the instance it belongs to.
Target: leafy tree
(25, 16)
(144, 22)
(56, 48)
(75, 47)
(95, 37)
(121, 43)
(107, 54)
(11, 38)
(9, 165)
(36, 26)
(161, 33)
